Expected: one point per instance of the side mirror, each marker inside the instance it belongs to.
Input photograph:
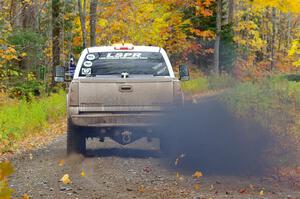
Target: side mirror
(184, 73)
(59, 74)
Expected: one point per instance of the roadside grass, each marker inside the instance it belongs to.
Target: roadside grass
(209, 83)
(21, 119)
(195, 85)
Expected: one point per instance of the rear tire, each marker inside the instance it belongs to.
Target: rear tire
(76, 141)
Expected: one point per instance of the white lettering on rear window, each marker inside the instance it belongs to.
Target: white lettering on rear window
(123, 56)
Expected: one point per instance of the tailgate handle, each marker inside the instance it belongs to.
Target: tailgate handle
(126, 88)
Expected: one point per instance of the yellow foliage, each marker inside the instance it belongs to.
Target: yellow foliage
(282, 5)
(295, 52)
(6, 169)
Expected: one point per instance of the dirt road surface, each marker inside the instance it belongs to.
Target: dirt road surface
(133, 171)
(230, 163)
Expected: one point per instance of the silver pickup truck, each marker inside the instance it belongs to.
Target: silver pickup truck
(118, 92)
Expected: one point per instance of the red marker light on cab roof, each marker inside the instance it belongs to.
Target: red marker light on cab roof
(123, 46)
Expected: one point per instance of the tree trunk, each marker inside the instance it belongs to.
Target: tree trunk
(93, 18)
(273, 37)
(28, 16)
(82, 15)
(230, 11)
(289, 37)
(55, 38)
(218, 37)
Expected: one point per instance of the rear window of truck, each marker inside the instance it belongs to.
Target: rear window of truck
(112, 63)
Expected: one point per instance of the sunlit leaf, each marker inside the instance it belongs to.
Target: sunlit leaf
(82, 173)
(141, 189)
(65, 179)
(261, 193)
(198, 174)
(61, 162)
(25, 196)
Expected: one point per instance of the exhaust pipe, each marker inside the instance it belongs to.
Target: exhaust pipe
(126, 137)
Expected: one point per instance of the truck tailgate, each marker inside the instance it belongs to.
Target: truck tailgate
(116, 94)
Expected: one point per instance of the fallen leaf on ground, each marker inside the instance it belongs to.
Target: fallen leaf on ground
(141, 189)
(261, 193)
(65, 179)
(61, 163)
(242, 190)
(198, 174)
(197, 186)
(82, 173)
(25, 196)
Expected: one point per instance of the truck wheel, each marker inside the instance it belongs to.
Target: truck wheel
(76, 142)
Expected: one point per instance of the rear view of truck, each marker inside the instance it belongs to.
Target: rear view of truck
(119, 92)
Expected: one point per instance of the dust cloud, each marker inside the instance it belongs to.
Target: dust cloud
(214, 141)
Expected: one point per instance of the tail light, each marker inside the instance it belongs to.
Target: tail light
(73, 94)
(123, 46)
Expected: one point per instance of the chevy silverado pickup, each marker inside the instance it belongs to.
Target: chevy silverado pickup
(118, 92)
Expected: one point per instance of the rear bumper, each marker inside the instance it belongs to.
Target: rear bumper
(116, 119)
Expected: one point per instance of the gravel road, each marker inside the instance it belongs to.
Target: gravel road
(140, 170)
(134, 171)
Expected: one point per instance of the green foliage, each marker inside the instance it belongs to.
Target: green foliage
(29, 46)
(227, 48)
(26, 118)
(25, 39)
(26, 90)
(195, 85)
